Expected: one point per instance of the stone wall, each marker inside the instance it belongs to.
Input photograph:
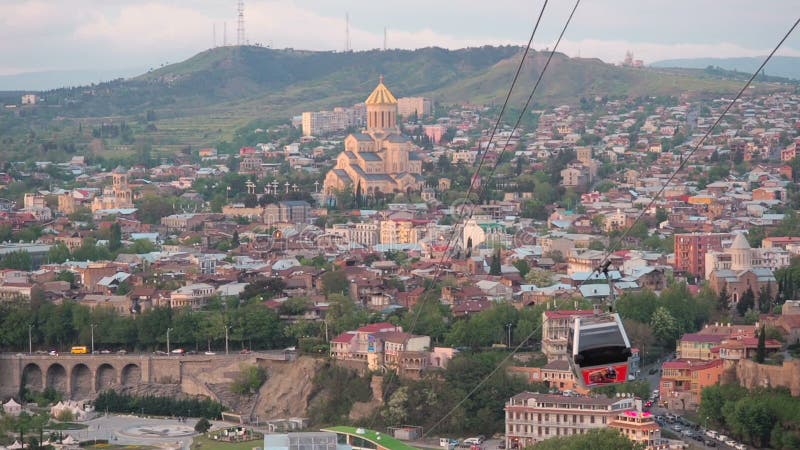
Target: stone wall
(750, 375)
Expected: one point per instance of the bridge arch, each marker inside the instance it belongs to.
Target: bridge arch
(32, 377)
(81, 381)
(105, 377)
(56, 378)
(131, 374)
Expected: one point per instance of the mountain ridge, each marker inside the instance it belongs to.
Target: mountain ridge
(781, 66)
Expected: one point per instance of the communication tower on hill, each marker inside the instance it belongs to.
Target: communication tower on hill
(240, 36)
(347, 32)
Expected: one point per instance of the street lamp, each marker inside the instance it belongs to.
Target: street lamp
(168, 330)
(30, 341)
(92, 326)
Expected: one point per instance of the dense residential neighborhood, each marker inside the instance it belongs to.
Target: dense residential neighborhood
(366, 238)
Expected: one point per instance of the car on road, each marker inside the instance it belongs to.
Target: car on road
(740, 447)
(711, 433)
(122, 352)
(105, 351)
(210, 353)
(722, 437)
(178, 351)
(677, 427)
(160, 353)
(52, 353)
(653, 371)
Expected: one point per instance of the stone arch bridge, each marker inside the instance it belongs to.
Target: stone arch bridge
(80, 376)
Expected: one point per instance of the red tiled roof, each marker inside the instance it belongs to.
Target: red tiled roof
(344, 338)
(378, 327)
(697, 337)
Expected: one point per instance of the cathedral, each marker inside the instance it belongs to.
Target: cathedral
(117, 196)
(380, 158)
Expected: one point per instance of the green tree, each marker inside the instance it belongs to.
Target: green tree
(58, 253)
(115, 239)
(665, 327)
(334, 281)
(19, 260)
(746, 301)
(151, 208)
(494, 267)
(249, 379)
(202, 425)
(761, 350)
(522, 266)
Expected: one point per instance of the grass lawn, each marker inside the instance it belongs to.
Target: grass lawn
(65, 426)
(384, 439)
(202, 442)
(121, 447)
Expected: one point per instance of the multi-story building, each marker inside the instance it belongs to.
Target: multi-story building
(555, 332)
(639, 427)
(289, 211)
(691, 249)
(383, 345)
(532, 417)
(318, 123)
(682, 381)
(698, 346)
(194, 296)
(407, 106)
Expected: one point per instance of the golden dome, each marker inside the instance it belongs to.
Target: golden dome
(381, 95)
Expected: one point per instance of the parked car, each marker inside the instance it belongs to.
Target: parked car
(105, 351)
(722, 437)
(730, 442)
(740, 447)
(53, 353)
(210, 353)
(178, 351)
(711, 433)
(122, 352)
(711, 443)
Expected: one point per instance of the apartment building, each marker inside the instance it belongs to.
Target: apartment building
(683, 380)
(555, 331)
(533, 417)
(691, 249)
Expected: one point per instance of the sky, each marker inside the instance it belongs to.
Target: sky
(110, 35)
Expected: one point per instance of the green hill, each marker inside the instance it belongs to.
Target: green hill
(276, 83)
(205, 98)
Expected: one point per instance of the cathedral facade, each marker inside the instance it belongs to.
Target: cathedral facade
(380, 158)
(117, 196)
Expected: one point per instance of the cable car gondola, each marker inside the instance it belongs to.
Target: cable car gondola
(598, 348)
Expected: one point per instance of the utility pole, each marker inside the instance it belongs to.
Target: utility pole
(168, 330)
(93, 325)
(226, 339)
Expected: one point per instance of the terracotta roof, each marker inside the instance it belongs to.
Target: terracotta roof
(344, 338)
(694, 364)
(379, 327)
(697, 337)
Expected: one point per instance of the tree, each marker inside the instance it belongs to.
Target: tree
(152, 208)
(334, 281)
(249, 379)
(761, 350)
(602, 439)
(202, 425)
(68, 276)
(235, 238)
(115, 239)
(539, 277)
(746, 301)
(19, 260)
(665, 327)
(58, 253)
(494, 267)
(522, 266)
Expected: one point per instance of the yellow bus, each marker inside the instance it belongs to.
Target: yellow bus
(79, 350)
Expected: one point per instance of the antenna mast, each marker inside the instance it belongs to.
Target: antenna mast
(224, 34)
(240, 24)
(347, 32)
(214, 32)
(384, 38)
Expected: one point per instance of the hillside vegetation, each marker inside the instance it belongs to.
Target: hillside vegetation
(204, 99)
